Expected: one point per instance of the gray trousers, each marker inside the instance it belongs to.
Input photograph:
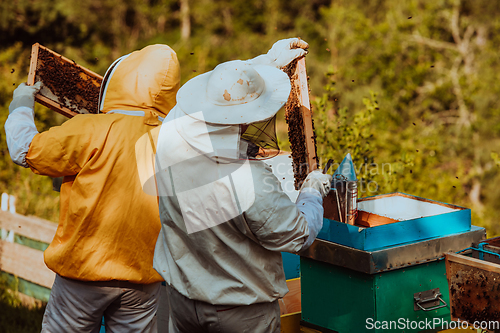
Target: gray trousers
(78, 306)
(188, 316)
(163, 312)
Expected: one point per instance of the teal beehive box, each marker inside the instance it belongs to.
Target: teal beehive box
(387, 274)
(413, 219)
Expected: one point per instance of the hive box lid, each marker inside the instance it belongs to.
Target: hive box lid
(417, 219)
(394, 257)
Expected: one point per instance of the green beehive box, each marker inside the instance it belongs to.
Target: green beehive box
(354, 302)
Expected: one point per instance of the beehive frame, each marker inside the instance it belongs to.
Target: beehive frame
(298, 115)
(474, 290)
(77, 88)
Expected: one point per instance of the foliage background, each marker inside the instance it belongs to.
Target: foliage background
(14, 316)
(409, 88)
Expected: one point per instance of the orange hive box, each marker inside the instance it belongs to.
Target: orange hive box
(366, 219)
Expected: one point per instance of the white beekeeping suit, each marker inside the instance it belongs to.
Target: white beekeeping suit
(225, 218)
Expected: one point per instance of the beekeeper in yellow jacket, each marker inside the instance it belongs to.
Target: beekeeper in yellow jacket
(102, 252)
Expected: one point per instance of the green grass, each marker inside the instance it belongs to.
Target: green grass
(20, 319)
(14, 317)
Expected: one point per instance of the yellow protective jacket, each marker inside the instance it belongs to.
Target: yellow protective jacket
(108, 225)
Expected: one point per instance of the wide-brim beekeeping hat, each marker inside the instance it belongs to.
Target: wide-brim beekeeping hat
(235, 92)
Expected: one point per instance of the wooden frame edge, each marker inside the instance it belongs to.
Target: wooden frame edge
(55, 106)
(305, 107)
(34, 60)
(472, 262)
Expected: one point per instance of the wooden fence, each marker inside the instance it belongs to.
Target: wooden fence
(27, 265)
(22, 261)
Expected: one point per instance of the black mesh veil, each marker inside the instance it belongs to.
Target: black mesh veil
(105, 80)
(261, 139)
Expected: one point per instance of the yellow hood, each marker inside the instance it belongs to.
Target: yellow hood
(143, 80)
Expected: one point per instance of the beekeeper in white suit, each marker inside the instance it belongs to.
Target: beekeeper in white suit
(225, 218)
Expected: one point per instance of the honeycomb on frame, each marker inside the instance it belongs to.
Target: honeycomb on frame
(68, 88)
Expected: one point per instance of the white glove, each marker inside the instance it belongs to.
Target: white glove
(282, 53)
(286, 50)
(20, 125)
(310, 202)
(311, 206)
(24, 95)
(319, 181)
